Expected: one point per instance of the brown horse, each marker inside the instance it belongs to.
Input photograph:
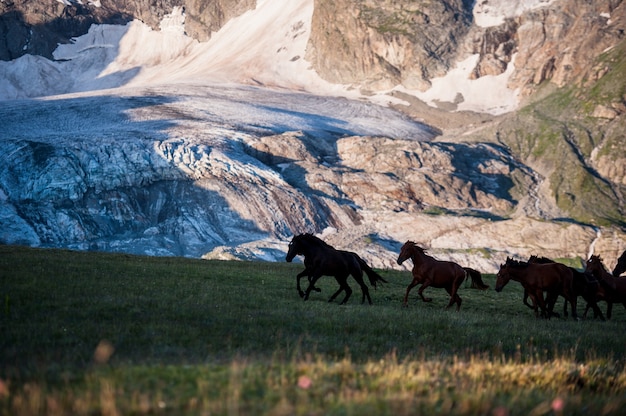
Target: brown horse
(584, 284)
(321, 259)
(614, 287)
(436, 273)
(620, 267)
(554, 278)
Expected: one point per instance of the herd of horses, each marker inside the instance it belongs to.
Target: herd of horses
(543, 279)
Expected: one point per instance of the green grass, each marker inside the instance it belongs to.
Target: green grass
(94, 333)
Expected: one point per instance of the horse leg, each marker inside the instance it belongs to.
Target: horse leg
(312, 279)
(346, 287)
(303, 273)
(454, 297)
(341, 289)
(421, 291)
(550, 302)
(317, 289)
(573, 300)
(413, 283)
(545, 311)
(365, 292)
(525, 300)
(596, 310)
(343, 285)
(535, 307)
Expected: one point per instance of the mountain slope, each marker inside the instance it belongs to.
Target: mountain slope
(156, 147)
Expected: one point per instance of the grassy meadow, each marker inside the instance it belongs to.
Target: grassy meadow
(114, 334)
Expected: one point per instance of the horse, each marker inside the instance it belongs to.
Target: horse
(321, 259)
(436, 273)
(584, 284)
(554, 278)
(620, 267)
(614, 287)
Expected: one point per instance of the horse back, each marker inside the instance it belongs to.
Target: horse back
(439, 272)
(333, 262)
(551, 275)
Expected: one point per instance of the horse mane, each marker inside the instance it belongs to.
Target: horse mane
(313, 239)
(539, 260)
(516, 264)
(414, 245)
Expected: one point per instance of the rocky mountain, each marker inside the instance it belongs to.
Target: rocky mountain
(523, 153)
(35, 27)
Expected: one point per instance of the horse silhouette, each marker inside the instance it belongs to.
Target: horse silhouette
(321, 259)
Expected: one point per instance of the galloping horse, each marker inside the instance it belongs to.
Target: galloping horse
(584, 284)
(436, 273)
(554, 278)
(321, 259)
(614, 287)
(620, 267)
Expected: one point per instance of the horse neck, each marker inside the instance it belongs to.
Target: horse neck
(600, 272)
(418, 256)
(311, 247)
(518, 274)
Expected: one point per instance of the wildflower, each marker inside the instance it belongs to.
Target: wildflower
(557, 405)
(304, 382)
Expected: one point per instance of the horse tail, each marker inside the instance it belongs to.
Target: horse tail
(371, 274)
(477, 279)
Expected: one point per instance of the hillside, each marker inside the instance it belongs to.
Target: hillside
(480, 130)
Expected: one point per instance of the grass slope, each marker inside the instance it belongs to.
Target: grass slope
(94, 333)
(558, 134)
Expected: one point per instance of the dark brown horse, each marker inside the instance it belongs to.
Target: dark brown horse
(614, 287)
(584, 284)
(321, 259)
(620, 267)
(436, 273)
(554, 278)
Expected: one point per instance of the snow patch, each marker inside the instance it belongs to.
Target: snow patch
(244, 51)
(488, 13)
(487, 94)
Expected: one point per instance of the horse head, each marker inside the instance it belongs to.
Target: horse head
(407, 251)
(294, 248)
(304, 244)
(594, 265)
(503, 276)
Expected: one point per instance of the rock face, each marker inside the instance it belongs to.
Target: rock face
(378, 45)
(162, 172)
(382, 44)
(372, 45)
(35, 27)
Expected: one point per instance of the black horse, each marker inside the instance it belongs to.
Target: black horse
(321, 259)
(620, 267)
